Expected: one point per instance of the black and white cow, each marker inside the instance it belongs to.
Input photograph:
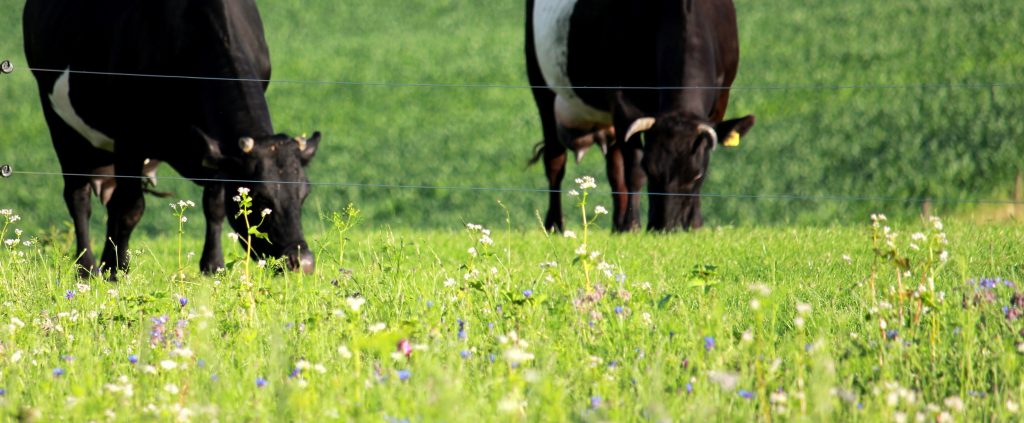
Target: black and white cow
(214, 125)
(580, 52)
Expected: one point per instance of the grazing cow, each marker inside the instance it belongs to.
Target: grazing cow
(213, 126)
(594, 66)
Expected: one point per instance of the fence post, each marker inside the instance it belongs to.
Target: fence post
(926, 208)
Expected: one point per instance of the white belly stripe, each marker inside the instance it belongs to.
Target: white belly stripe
(60, 100)
(551, 39)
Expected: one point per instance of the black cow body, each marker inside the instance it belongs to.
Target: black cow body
(574, 44)
(111, 124)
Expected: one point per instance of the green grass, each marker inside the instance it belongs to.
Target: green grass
(638, 360)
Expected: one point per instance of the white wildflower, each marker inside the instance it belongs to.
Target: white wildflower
(236, 199)
(803, 308)
(646, 318)
(261, 263)
(449, 282)
(471, 251)
(918, 236)
(355, 302)
(599, 210)
(516, 355)
(149, 369)
(798, 321)
(581, 250)
(344, 352)
(171, 388)
(474, 227)
(574, 193)
(15, 218)
(954, 403)
(847, 258)
(233, 236)
(944, 256)
(569, 234)
(168, 364)
(243, 190)
(1012, 407)
(319, 368)
(486, 240)
(376, 327)
(586, 182)
(725, 380)
(264, 212)
(755, 304)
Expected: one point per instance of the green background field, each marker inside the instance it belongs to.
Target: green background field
(921, 120)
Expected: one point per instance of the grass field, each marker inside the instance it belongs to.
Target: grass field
(774, 312)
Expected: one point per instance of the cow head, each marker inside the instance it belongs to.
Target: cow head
(281, 159)
(677, 151)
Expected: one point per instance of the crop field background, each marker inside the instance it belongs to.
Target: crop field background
(782, 309)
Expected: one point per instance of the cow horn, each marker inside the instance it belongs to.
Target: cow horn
(301, 141)
(707, 129)
(246, 144)
(639, 125)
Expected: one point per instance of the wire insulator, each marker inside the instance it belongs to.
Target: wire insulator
(6, 66)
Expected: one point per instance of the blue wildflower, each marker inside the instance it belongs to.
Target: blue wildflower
(745, 394)
(201, 363)
(613, 364)
(58, 372)
(132, 358)
(295, 373)
(430, 304)
(987, 283)
(183, 301)
(891, 334)
(709, 343)
(595, 401)
(465, 353)
(70, 294)
(618, 309)
(261, 382)
(620, 277)
(490, 357)
(527, 293)
(689, 388)
(404, 375)
(3, 392)
(462, 329)
(67, 358)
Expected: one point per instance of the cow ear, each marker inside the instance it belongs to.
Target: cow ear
(212, 157)
(306, 154)
(730, 131)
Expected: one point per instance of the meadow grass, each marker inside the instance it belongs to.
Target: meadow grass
(500, 324)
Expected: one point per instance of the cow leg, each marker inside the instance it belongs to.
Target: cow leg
(78, 196)
(554, 169)
(124, 211)
(76, 156)
(617, 179)
(213, 210)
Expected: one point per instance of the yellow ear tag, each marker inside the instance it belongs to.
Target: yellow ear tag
(733, 140)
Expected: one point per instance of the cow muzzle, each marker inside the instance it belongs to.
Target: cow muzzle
(302, 260)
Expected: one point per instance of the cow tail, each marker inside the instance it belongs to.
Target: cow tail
(538, 152)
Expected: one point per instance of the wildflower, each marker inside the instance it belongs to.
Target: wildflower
(233, 236)
(184, 219)
(586, 182)
(944, 256)
(569, 234)
(1012, 407)
(404, 347)
(171, 388)
(3, 392)
(474, 227)
(344, 352)
(574, 193)
(646, 317)
(891, 334)
(462, 329)
(709, 343)
(404, 375)
(725, 380)
(69, 294)
(58, 372)
(581, 250)
(243, 190)
(168, 364)
(376, 327)
(236, 199)
(803, 308)
(798, 322)
(465, 354)
(260, 381)
(517, 355)
(954, 403)
(599, 210)
(595, 401)
(183, 301)
(755, 304)
(745, 394)
(264, 212)
(527, 293)
(132, 358)
(355, 302)
(449, 282)
(471, 251)
(618, 309)
(486, 240)
(261, 263)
